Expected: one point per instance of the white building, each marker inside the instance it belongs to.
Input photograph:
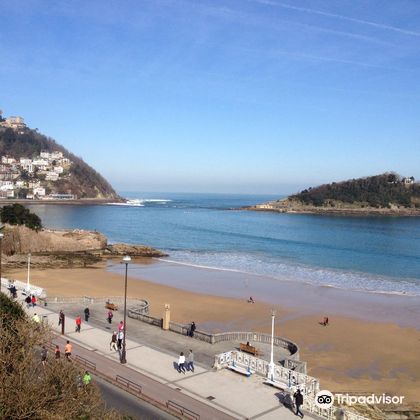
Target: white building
(7, 160)
(51, 176)
(26, 164)
(58, 169)
(20, 184)
(40, 191)
(56, 155)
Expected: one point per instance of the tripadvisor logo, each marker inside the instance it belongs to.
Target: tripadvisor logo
(325, 399)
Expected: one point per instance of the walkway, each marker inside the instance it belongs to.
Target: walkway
(208, 394)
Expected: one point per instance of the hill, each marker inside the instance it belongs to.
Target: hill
(387, 193)
(33, 161)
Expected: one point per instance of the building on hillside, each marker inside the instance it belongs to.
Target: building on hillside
(8, 160)
(408, 181)
(56, 155)
(20, 184)
(58, 169)
(15, 123)
(39, 191)
(26, 164)
(51, 176)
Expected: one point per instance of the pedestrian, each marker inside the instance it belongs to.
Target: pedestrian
(33, 301)
(87, 314)
(298, 402)
(192, 329)
(110, 316)
(87, 379)
(190, 361)
(61, 317)
(67, 350)
(36, 318)
(13, 291)
(113, 343)
(120, 339)
(181, 363)
(57, 351)
(28, 301)
(121, 326)
(78, 323)
(44, 352)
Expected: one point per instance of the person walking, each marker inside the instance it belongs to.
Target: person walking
(121, 326)
(298, 402)
(78, 323)
(181, 363)
(61, 318)
(110, 316)
(113, 343)
(190, 361)
(87, 379)
(28, 301)
(33, 301)
(67, 350)
(57, 352)
(44, 353)
(87, 314)
(192, 329)
(120, 339)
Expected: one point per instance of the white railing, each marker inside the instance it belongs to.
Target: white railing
(21, 286)
(307, 384)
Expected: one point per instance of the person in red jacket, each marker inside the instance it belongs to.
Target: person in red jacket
(78, 323)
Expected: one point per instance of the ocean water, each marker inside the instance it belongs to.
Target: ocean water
(375, 254)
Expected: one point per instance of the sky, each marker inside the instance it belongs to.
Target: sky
(245, 96)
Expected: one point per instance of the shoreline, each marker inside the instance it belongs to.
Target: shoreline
(329, 211)
(351, 354)
(76, 202)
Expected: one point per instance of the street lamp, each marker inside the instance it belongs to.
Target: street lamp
(125, 260)
(1, 240)
(270, 373)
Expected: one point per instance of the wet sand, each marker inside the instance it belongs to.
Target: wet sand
(357, 352)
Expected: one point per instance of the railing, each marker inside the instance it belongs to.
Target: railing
(85, 362)
(185, 412)
(308, 384)
(20, 285)
(129, 385)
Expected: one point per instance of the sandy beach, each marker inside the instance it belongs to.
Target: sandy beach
(355, 353)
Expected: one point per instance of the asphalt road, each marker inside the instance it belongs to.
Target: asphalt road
(127, 404)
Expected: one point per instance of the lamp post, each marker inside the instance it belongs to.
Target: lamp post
(270, 373)
(28, 286)
(125, 260)
(1, 240)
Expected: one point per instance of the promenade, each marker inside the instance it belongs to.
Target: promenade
(151, 372)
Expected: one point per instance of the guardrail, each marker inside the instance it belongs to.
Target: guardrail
(85, 362)
(185, 412)
(129, 385)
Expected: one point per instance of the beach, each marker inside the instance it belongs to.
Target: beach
(364, 349)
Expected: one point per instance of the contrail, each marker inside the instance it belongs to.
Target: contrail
(333, 15)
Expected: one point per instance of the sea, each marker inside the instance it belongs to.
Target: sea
(378, 254)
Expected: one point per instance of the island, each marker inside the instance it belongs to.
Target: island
(384, 194)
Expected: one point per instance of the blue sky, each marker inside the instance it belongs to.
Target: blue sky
(219, 96)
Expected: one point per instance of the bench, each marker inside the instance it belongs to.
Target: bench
(249, 349)
(239, 369)
(278, 384)
(111, 306)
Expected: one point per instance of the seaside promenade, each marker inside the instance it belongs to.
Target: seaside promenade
(151, 372)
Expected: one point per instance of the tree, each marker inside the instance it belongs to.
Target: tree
(16, 214)
(30, 390)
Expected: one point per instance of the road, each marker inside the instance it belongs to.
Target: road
(127, 404)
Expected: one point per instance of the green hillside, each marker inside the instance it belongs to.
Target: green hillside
(379, 191)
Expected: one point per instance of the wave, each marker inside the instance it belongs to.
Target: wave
(262, 266)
